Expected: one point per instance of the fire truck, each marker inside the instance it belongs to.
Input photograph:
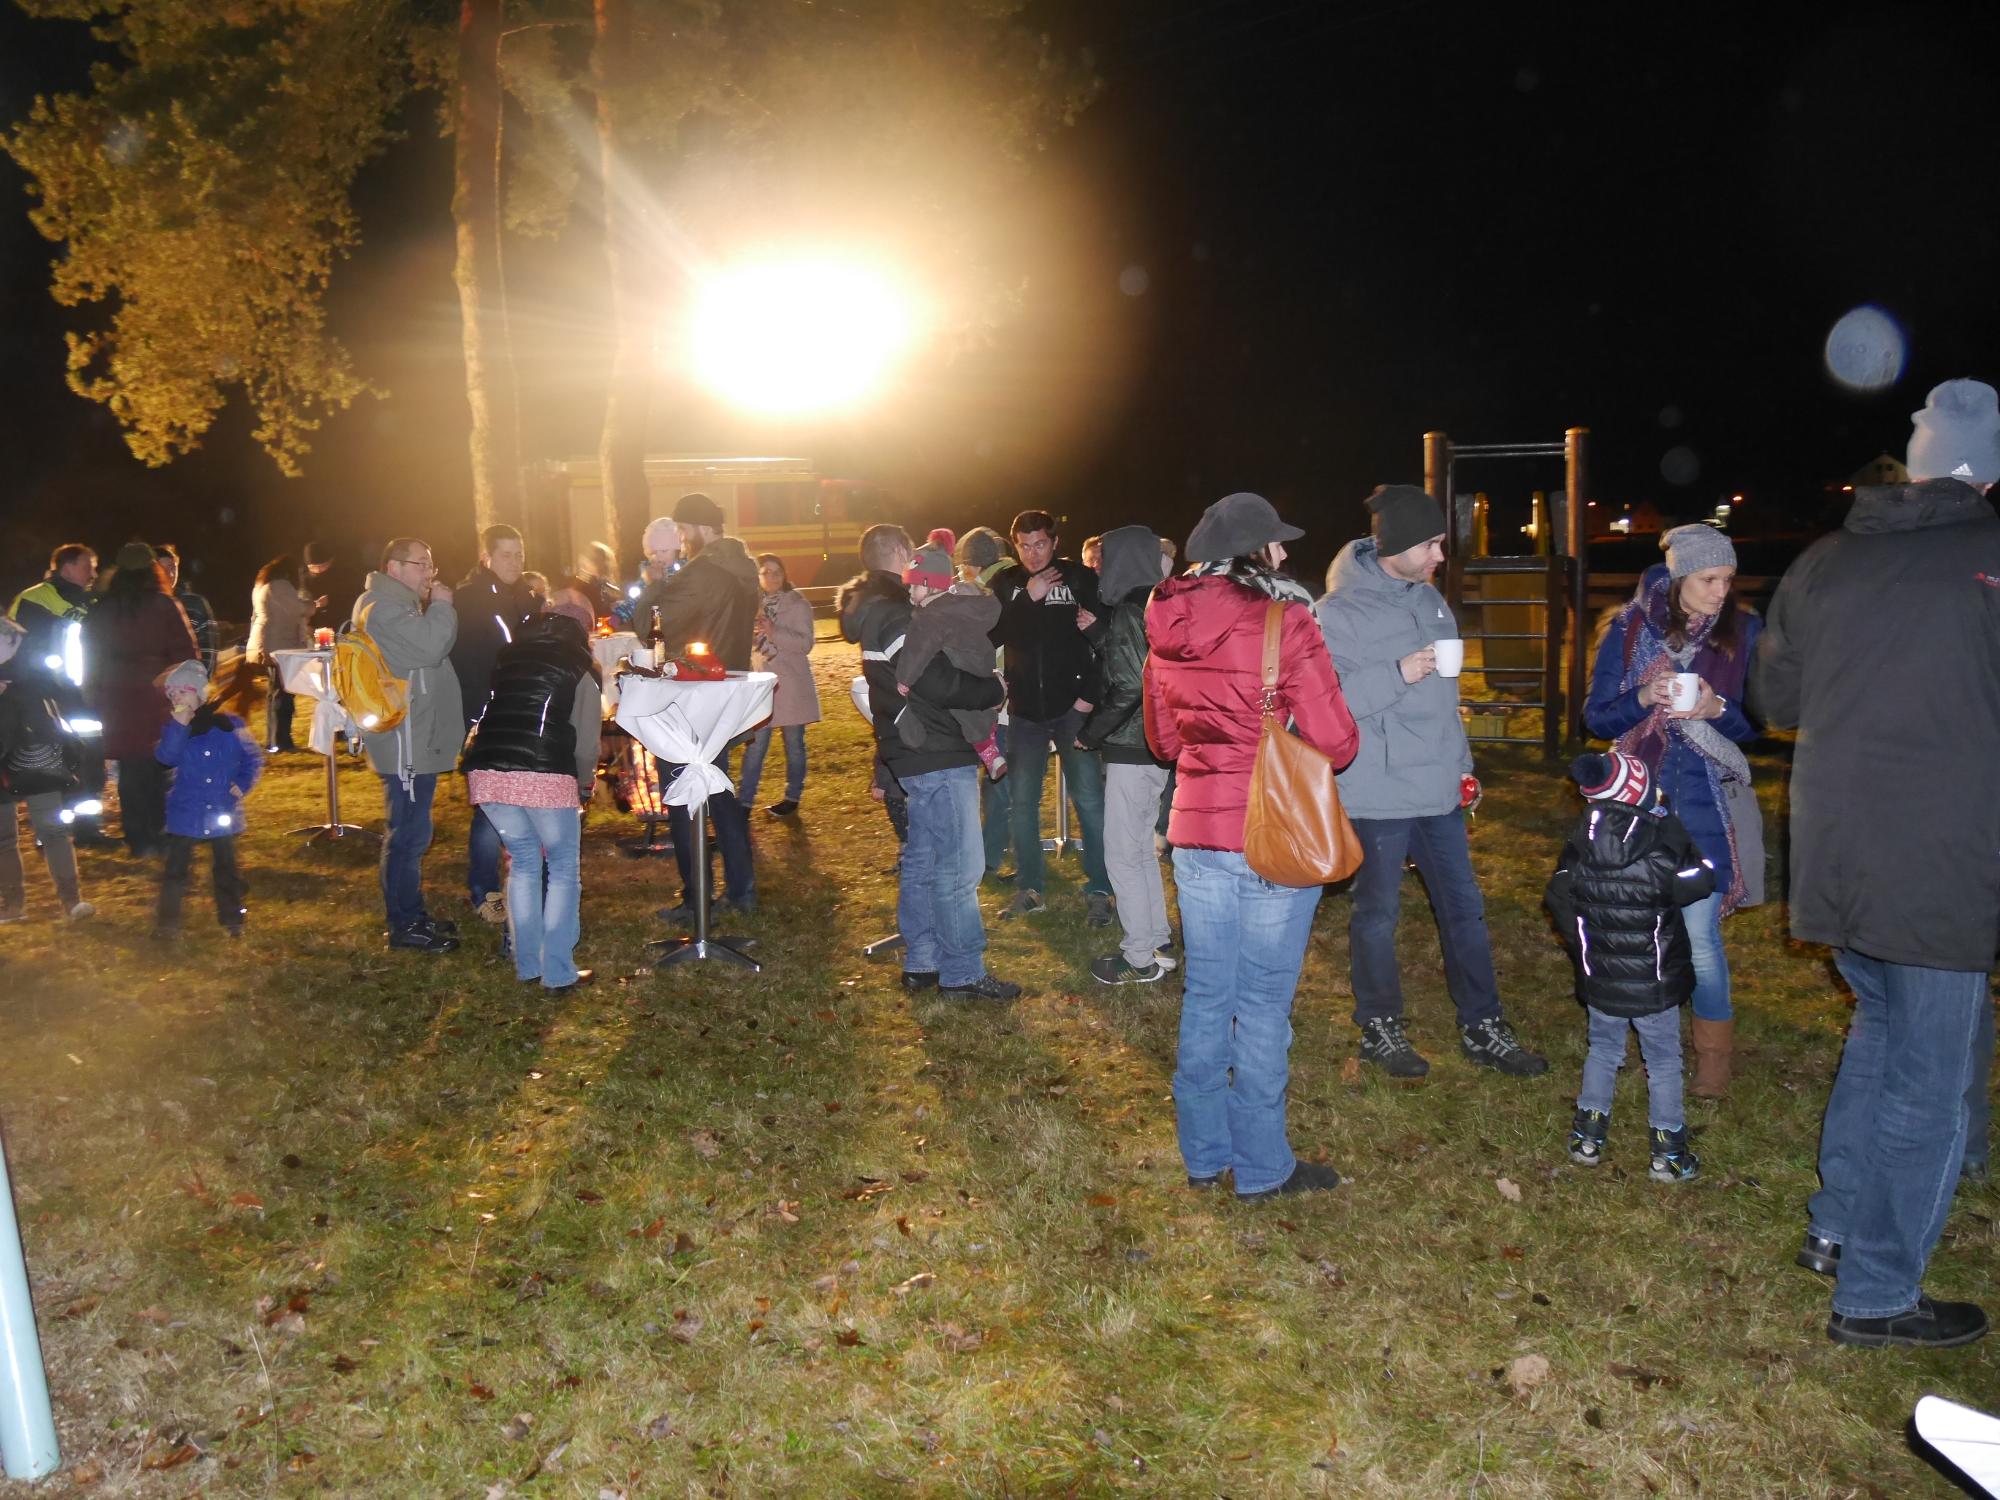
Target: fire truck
(781, 505)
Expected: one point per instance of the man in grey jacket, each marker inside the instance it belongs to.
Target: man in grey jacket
(409, 616)
(1406, 787)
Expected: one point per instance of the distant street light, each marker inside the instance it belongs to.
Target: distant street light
(788, 338)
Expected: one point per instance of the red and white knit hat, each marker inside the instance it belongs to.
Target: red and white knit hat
(1614, 777)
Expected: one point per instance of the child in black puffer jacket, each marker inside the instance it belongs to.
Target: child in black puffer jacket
(1627, 869)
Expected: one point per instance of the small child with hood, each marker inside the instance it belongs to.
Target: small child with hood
(952, 619)
(1628, 868)
(215, 760)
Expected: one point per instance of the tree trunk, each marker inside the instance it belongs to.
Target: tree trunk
(622, 448)
(475, 210)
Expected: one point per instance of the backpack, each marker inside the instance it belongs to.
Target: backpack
(376, 697)
(41, 753)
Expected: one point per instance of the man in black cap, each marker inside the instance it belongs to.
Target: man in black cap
(713, 599)
(1409, 785)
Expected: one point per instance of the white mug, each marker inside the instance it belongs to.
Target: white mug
(1450, 656)
(1687, 691)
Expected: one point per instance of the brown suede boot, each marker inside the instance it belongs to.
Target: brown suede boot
(1713, 1044)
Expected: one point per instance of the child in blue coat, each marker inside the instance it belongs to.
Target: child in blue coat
(215, 760)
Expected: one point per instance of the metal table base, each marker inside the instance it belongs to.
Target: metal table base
(333, 828)
(702, 944)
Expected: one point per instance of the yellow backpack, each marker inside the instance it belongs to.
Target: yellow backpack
(376, 697)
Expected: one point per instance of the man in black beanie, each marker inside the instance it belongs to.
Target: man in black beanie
(1407, 789)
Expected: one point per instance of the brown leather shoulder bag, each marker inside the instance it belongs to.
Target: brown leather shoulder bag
(1294, 831)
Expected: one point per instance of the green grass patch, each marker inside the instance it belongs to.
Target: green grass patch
(309, 1216)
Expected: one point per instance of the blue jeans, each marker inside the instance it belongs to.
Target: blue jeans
(1028, 749)
(1893, 1139)
(753, 764)
(542, 921)
(937, 895)
(995, 811)
(1703, 920)
(1659, 1049)
(1444, 859)
(482, 856)
(403, 850)
(278, 710)
(1245, 940)
(1979, 1098)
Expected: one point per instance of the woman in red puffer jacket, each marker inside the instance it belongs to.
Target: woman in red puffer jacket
(1245, 937)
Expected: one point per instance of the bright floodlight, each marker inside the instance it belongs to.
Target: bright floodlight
(791, 337)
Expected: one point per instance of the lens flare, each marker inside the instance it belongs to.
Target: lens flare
(791, 337)
(1866, 350)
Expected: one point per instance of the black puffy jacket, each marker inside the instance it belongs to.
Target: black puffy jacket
(38, 750)
(529, 722)
(1616, 896)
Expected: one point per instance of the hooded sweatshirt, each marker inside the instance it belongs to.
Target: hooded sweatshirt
(1049, 663)
(1413, 746)
(1882, 647)
(1117, 725)
(416, 643)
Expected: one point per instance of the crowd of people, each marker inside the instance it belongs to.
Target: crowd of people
(984, 656)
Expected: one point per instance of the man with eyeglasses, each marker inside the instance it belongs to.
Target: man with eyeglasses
(409, 616)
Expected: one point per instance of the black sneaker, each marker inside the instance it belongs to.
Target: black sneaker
(441, 925)
(1821, 1256)
(915, 980)
(1586, 1137)
(1114, 969)
(1307, 1177)
(423, 938)
(1491, 1043)
(1096, 909)
(1672, 1161)
(985, 987)
(1384, 1044)
(1928, 1325)
(783, 809)
(1205, 1184)
(1028, 903)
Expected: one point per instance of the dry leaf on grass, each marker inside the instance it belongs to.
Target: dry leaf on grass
(706, 1146)
(848, 1338)
(89, 1472)
(1527, 1372)
(171, 1458)
(685, 1328)
(1508, 1189)
(1350, 1072)
(916, 1283)
(516, 1428)
(660, 1428)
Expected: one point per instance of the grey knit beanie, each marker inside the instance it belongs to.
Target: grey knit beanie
(981, 547)
(1696, 548)
(1957, 434)
(1403, 516)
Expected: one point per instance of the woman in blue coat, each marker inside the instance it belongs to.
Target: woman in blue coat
(1685, 617)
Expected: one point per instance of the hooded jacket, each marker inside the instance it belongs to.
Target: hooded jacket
(215, 760)
(1204, 682)
(546, 712)
(1616, 896)
(1049, 664)
(490, 614)
(875, 614)
(1882, 646)
(1116, 727)
(416, 642)
(712, 599)
(1413, 746)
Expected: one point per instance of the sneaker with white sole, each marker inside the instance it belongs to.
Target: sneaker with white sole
(1097, 909)
(1384, 1044)
(1028, 903)
(1491, 1043)
(1114, 969)
(1164, 957)
(83, 911)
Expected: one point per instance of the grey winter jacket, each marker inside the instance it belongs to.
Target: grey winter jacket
(1882, 646)
(416, 642)
(1413, 747)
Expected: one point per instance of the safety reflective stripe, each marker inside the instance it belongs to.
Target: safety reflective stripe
(887, 653)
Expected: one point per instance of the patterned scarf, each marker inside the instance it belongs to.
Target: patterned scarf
(1649, 657)
(1271, 584)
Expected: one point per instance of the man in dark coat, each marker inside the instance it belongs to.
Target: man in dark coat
(713, 599)
(1883, 649)
(937, 900)
(1049, 629)
(493, 604)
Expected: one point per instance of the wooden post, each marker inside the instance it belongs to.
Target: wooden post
(1437, 483)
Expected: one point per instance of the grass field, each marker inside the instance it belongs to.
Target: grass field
(306, 1216)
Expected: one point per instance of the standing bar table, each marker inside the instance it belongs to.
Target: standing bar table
(309, 674)
(690, 724)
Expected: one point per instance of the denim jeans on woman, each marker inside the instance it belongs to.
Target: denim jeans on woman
(1893, 1139)
(937, 893)
(542, 921)
(1659, 1049)
(1444, 858)
(1703, 921)
(759, 746)
(1244, 940)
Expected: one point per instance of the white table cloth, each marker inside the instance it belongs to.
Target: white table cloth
(611, 651)
(309, 674)
(688, 724)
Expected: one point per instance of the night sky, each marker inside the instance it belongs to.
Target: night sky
(1286, 240)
